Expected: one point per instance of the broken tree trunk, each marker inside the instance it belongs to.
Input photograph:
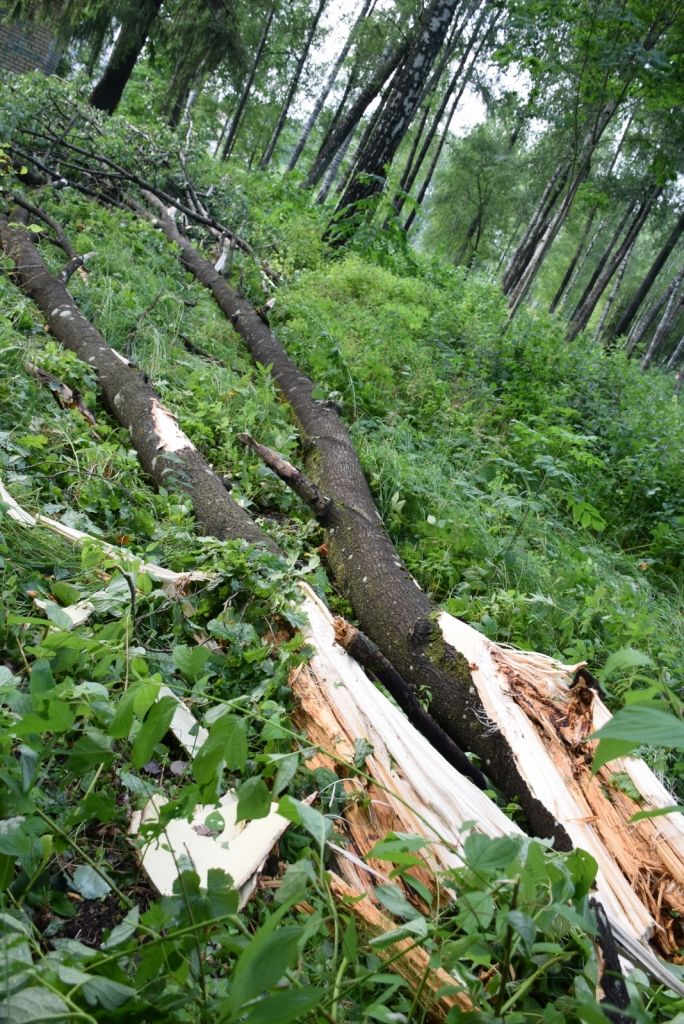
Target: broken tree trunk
(165, 452)
(517, 711)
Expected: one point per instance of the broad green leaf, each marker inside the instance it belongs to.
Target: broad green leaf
(154, 728)
(485, 854)
(254, 799)
(110, 995)
(315, 823)
(636, 725)
(31, 1005)
(626, 657)
(583, 868)
(572, 917)
(287, 769)
(283, 1007)
(350, 946)
(6, 870)
(191, 660)
(394, 900)
(88, 883)
(656, 812)
(263, 963)
(65, 593)
(41, 677)
(524, 925)
(58, 615)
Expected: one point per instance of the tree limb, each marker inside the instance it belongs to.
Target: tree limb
(295, 479)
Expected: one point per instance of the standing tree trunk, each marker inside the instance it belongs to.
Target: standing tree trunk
(613, 293)
(412, 171)
(408, 167)
(133, 35)
(535, 227)
(672, 311)
(365, 139)
(327, 88)
(440, 145)
(642, 326)
(331, 173)
(398, 114)
(675, 355)
(581, 171)
(350, 120)
(603, 260)
(646, 285)
(294, 85)
(581, 316)
(567, 278)
(248, 85)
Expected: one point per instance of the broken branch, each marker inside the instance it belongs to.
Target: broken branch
(66, 398)
(295, 479)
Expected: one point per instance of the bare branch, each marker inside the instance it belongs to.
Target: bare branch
(290, 475)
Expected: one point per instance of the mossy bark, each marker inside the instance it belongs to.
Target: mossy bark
(164, 452)
(390, 606)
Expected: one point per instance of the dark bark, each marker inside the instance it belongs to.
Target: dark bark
(132, 38)
(237, 117)
(327, 88)
(332, 171)
(612, 979)
(436, 121)
(164, 453)
(294, 85)
(373, 660)
(350, 120)
(582, 314)
(603, 259)
(396, 118)
(392, 610)
(408, 167)
(644, 288)
(365, 139)
(440, 145)
(573, 262)
(669, 317)
(65, 397)
(535, 228)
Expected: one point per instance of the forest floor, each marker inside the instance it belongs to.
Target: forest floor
(532, 488)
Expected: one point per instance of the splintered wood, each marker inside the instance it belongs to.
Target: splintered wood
(641, 865)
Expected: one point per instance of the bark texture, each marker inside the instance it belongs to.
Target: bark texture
(350, 120)
(644, 288)
(401, 106)
(133, 35)
(391, 608)
(327, 89)
(164, 451)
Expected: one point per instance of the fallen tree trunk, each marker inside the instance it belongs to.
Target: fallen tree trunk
(518, 711)
(165, 452)
(392, 609)
(406, 785)
(522, 702)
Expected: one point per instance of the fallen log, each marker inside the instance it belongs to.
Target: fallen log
(493, 686)
(493, 701)
(410, 788)
(165, 452)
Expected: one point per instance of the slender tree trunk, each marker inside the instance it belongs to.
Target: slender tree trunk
(331, 173)
(133, 35)
(679, 380)
(582, 167)
(432, 131)
(613, 293)
(365, 139)
(582, 315)
(230, 140)
(675, 355)
(540, 216)
(327, 89)
(642, 326)
(294, 85)
(646, 285)
(583, 262)
(356, 112)
(397, 116)
(573, 262)
(603, 260)
(445, 134)
(399, 199)
(672, 311)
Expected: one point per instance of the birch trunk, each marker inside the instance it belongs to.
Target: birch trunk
(294, 85)
(327, 89)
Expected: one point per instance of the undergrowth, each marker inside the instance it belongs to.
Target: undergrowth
(534, 489)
